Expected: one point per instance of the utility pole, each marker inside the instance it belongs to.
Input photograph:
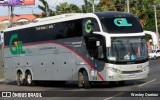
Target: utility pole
(47, 10)
(155, 15)
(10, 15)
(92, 2)
(128, 6)
(93, 7)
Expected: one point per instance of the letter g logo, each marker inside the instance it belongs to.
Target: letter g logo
(88, 26)
(121, 22)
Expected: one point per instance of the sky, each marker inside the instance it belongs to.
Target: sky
(34, 9)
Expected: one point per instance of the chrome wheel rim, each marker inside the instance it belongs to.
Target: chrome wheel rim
(29, 79)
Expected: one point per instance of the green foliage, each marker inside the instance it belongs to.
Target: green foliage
(87, 7)
(148, 37)
(63, 8)
(46, 11)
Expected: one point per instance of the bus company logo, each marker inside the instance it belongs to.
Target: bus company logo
(121, 22)
(18, 45)
(88, 26)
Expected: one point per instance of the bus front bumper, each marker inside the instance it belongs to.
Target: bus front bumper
(114, 75)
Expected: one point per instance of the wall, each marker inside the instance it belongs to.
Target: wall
(1, 68)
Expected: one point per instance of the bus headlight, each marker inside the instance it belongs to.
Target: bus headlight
(114, 70)
(145, 68)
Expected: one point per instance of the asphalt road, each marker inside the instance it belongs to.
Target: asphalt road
(70, 91)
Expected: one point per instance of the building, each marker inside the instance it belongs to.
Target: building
(17, 20)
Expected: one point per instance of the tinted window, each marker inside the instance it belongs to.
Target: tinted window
(121, 25)
(62, 30)
(96, 51)
(74, 28)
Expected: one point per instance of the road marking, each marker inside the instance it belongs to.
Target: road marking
(114, 96)
(147, 82)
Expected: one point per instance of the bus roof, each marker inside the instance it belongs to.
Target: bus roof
(53, 19)
(67, 17)
(112, 14)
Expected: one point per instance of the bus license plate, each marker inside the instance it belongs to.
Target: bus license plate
(131, 75)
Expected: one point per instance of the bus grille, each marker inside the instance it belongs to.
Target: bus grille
(131, 72)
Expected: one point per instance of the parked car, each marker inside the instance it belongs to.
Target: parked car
(154, 54)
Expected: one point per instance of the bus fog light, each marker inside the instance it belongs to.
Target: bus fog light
(115, 70)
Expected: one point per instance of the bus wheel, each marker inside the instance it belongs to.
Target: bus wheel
(19, 79)
(29, 81)
(86, 83)
(80, 79)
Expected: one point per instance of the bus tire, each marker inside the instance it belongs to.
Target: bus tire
(28, 79)
(80, 79)
(86, 83)
(19, 79)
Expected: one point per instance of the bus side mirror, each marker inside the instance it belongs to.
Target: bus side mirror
(98, 43)
(153, 35)
(100, 53)
(107, 37)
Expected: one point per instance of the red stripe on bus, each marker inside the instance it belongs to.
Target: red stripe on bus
(99, 75)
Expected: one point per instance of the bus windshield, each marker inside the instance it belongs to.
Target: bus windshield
(121, 25)
(127, 49)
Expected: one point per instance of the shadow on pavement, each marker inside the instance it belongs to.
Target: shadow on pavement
(68, 84)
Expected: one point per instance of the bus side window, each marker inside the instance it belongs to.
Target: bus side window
(95, 51)
(92, 48)
(100, 52)
(95, 45)
(78, 28)
(74, 28)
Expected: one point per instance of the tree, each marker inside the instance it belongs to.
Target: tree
(74, 8)
(145, 12)
(87, 7)
(67, 8)
(113, 5)
(46, 11)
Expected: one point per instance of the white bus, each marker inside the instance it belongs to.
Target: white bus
(91, 47)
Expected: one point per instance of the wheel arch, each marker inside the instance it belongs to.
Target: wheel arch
(86, 69)
(29, 70)
(20, 70)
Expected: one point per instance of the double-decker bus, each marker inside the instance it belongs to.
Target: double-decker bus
(91, 47)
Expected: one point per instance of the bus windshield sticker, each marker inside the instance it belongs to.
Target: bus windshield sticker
(88, 26)
(18, 45)
(120, 22)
